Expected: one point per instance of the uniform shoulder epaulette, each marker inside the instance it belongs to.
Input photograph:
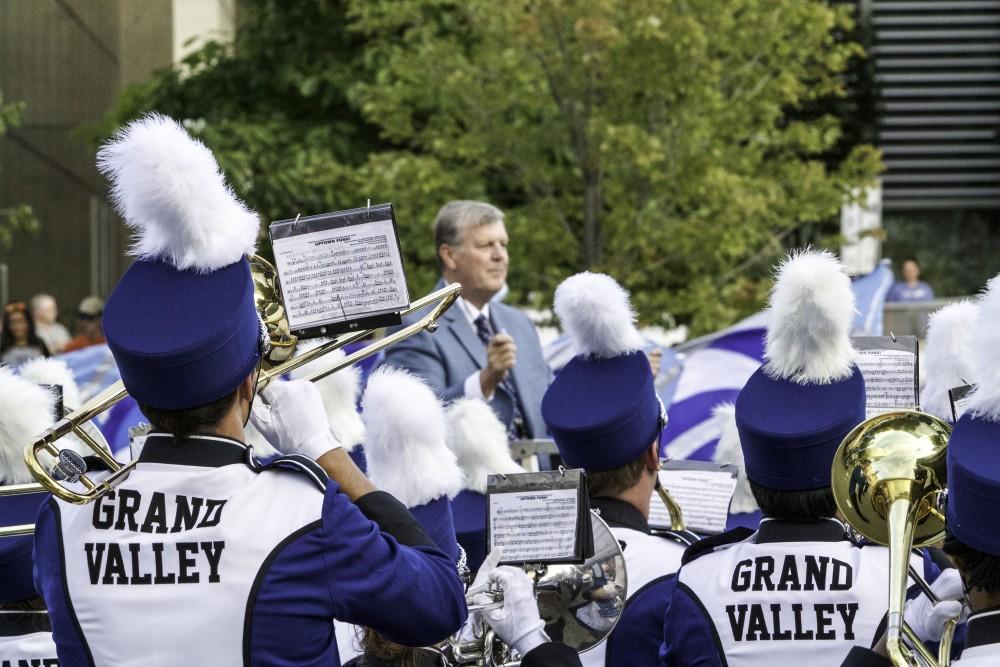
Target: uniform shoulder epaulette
(683, 537)
(294, 462)
(710, 544)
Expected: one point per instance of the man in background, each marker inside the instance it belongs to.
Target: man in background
(910, 288)
(484, 348)
(88, 324)
(45, 311)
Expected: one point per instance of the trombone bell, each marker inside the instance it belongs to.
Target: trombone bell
(889, 480)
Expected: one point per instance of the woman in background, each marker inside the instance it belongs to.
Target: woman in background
(18, 340)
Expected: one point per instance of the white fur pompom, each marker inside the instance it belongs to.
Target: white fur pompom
(42, 370)
(479, 441)
(729, 450)
(596, 313)
(339, 391)
(948, 356)
(26, 410)
(812, 310)
(405, 439)
(170, 190)
(984, 401)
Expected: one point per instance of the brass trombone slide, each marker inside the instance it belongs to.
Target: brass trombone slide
(442, 299)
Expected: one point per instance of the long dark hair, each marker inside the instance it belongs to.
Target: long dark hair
(7, 339)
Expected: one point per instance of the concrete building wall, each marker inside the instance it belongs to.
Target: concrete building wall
(68, 60)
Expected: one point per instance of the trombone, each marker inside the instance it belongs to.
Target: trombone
(889, 482)
(70, 465)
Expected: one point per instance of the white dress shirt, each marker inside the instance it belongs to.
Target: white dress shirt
(473, 388)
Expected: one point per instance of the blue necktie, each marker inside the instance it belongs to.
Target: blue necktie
(515, 429)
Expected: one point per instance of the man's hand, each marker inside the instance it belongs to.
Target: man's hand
(293, 419)
(501, 355)
(655, 357)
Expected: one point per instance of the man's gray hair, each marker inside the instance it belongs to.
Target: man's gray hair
(457, 216)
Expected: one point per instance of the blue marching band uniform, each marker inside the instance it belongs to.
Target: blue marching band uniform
(206, 554)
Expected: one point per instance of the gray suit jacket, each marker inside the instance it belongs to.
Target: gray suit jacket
(447, 357)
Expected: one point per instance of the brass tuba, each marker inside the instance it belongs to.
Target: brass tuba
(889, 481)
(70, 467)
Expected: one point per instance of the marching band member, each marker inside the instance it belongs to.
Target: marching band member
(479, 441)
(797, 588)
(947, 356)
(972, 515)
(604, 414)
(25, 631)
(408, 458)
(203, 555)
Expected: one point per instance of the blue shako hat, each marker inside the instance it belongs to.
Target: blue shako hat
(26, 410)
(795, 410)
(602, 408)
(181, 323)
(973, 510)
(406, 451)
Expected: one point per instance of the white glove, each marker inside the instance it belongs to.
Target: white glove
(293, 419)
(926, 618)
(518, 622)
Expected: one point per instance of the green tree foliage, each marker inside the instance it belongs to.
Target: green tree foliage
(18, 218)
(671, 143)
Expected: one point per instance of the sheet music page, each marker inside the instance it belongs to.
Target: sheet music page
(889, 380)
(537, 525)
(703, 495)
(340, 274)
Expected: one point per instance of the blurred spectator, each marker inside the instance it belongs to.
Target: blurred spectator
(88, 324)
(910, 288)
(18, 340)
(44, 311)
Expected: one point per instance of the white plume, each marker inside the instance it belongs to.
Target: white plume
(812, 310)
(405, 439)
(730, 451)
(596, 313)
(26, 410)
(339, 391)
(984, 401)
(169, 189)
(479, 441)
(42, 370)
(948, 356)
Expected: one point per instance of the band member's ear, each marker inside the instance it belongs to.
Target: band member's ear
(652, 458)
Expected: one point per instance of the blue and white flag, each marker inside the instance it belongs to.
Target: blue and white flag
(94, 370)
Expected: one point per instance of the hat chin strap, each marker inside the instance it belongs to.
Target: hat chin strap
(256, 379)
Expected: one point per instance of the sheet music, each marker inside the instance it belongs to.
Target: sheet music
(535, 525)
(703, 494)
(889, 380)
(340, 274)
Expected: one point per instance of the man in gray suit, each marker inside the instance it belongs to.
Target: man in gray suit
(483, 348)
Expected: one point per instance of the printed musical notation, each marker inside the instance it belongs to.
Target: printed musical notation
(890, 382)
(535, 525)
(703, 495)
(340, 274)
